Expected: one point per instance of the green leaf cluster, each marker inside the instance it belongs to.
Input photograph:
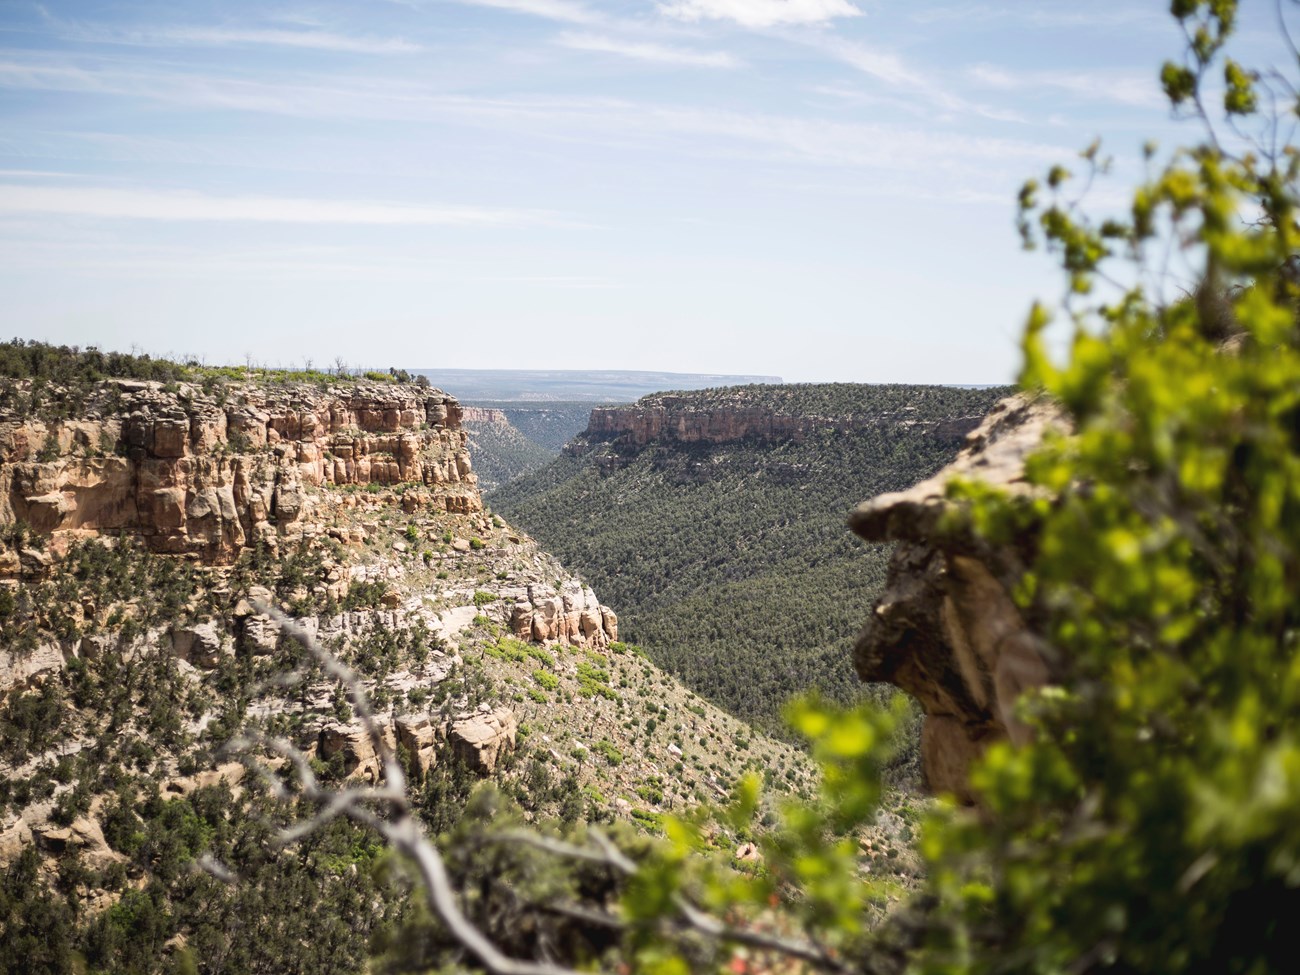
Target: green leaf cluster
(1150, 825)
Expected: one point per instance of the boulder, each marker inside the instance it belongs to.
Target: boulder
(261, 635)
(84, 836)
(419, 735)
(201, 644)
(29, 668)
(480, 740)
(359, 757)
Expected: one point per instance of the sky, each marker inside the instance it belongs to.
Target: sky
(816, 189)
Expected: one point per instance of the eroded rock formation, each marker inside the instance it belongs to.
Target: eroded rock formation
(208, 473)
(571, 614)
(945, 629)
(482, 739)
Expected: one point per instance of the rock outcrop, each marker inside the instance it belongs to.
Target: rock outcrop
(207, 473)
(572, 614)
(420, 735)
(945, 629)
(480, 740)
(483, 414)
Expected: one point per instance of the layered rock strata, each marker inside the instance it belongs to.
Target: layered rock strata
(682, 419)
(483, 414)
(208, 473)
(945, 628)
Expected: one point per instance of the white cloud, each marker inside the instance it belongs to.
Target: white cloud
(311, 39)
(644, 51)
(891, 70)
(1068, 17)
(307, 37)
(760, 13)
(923, 150)
(113, 203)
(882, 65)
(565, 11)
(1136, 90)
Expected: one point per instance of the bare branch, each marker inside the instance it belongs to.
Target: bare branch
(694, 918)
(403, 832)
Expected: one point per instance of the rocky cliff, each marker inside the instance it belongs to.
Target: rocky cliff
(945, 628)
(740, 415)
(207, 470)
(483, 414)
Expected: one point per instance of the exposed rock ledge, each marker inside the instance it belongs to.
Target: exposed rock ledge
(945, 628)
(680, 419)
(571, 615)
(207, 473)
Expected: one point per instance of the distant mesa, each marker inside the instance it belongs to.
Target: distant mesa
(589, 385)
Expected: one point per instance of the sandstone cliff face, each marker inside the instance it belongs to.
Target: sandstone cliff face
(208, 473)
(682, 419)
(483, 414)
(945, 629)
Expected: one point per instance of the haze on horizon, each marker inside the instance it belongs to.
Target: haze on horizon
(817, 189)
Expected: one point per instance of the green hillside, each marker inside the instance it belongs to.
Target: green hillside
(730, 562)
(502, 453)
(550, 424)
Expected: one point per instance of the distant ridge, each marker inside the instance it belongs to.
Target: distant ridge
(588, 385)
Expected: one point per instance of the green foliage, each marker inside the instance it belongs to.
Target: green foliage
(593, 681)
(70, 365)
(546, 679)
(364, 595)
(1150, 824)
(606, 750)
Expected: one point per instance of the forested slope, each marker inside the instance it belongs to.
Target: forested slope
(550, 424)
(501, 452)
(727, 555)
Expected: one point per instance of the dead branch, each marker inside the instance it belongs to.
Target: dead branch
(387, 810)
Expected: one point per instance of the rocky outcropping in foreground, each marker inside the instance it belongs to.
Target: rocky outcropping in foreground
(945, 629)
(207, 470)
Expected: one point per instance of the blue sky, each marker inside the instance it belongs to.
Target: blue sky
(817, 189)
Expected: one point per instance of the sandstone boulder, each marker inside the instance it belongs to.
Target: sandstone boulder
(84, 835)
(359, 758)
(260, 635)
(573, 615)
(201, 644)
(21, 669)
(419, 735)
(480, 740)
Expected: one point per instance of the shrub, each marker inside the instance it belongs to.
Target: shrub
(546, 679)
